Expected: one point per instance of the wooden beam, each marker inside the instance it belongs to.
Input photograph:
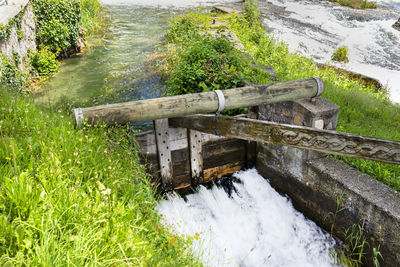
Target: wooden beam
(196, 155)
(164, 152)
(182, 105)
(325, 141)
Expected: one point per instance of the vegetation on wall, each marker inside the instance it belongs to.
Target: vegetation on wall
(5, 30)
(59, 24)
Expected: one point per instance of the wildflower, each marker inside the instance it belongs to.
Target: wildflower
(7, 158)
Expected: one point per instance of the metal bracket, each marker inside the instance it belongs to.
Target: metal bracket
(221, 101)
(164, 152)
(78, 113)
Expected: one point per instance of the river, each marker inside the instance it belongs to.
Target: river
(316, 28)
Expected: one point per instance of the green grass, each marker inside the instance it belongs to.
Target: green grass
(358, 4)
(76, 197)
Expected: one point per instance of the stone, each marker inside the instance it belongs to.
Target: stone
(397, 25)
(25, 45)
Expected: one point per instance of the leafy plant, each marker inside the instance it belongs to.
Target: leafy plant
(44, 61)
(12, 77)
(209, 64)
(252, 12)
(340, 54)
(57, 23)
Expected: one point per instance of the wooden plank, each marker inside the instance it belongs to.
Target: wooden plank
(325, 141)
(220, 171)
(147, 142)
(164, 152)
(196, 156)
(177, 106)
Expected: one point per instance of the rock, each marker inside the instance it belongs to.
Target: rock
(222, 9)
(397, 25)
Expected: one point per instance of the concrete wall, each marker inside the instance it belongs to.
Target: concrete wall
(12, 44)
(315, 183)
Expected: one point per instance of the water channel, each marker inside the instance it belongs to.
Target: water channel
(243, 220)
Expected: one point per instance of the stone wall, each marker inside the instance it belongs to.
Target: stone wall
(27, 43)
(315, 183)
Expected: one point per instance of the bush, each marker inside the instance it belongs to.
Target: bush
(340, 54)
(182, 29)
(44, 62)
(57, 23)
(209, 64)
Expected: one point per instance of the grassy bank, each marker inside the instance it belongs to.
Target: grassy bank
(358, 4)
(75, 197)
(362, 110)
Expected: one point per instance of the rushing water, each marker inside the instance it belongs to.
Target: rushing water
(315, 28)
(247, 225)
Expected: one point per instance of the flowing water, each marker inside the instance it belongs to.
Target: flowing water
(248, 223)
(314, 28)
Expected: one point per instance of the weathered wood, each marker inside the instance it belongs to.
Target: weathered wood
(164, 152)
(178, 106)
(295, 136)
(220, 171)
(196, 155)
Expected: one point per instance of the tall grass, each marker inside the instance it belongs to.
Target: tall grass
(91, 15)
(76, 197)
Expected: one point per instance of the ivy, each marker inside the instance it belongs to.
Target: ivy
(5, 30)
(57, 23)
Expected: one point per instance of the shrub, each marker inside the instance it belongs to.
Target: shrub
(340, 54)
(182, 30)
(252, 12)
(57, 23)
(44, 62)
(209, 64)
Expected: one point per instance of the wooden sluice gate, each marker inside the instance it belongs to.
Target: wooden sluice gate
(187, 149)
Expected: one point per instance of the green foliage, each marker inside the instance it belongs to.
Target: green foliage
(358, 4)
(5, 30)
(209, 64)
(183, 29)
(57, 23)
(44, 62)
(91, 11)
(252, 12)
(12, 77)
(76, 197)
(340, 54)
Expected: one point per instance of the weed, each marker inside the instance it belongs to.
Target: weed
(358, 4)
(340, 54)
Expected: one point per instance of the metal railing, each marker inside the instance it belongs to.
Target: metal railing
(3, 2)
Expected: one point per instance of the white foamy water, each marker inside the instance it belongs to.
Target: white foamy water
(315, 28)
(166, 3)
(256, 226)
